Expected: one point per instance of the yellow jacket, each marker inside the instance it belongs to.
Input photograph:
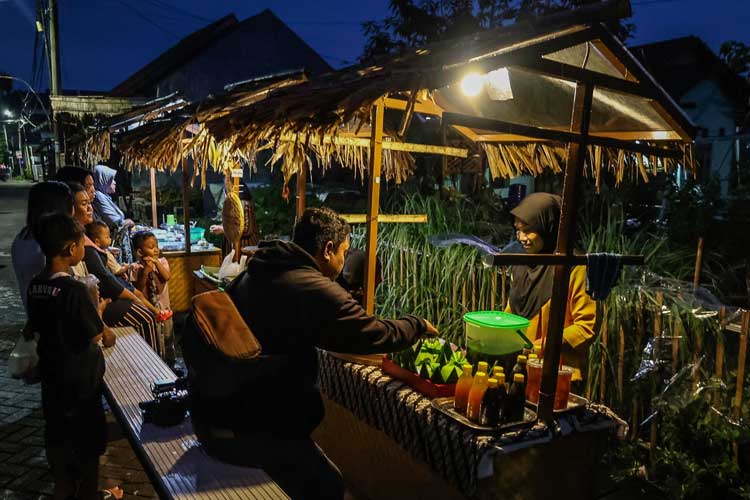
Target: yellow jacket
(580, 320)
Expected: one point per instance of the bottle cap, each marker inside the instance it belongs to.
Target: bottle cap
(467, 369)
(482, 366)
(480, 377)
(500, 378)
(533, 356)
(492, 383)
(498, 369)
(521, 358)
(518, 377)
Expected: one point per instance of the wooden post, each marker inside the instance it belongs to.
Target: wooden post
(154, 213)
(741, 364)
(698, 264)
(373, 202)
(657, 347)
(186, 204)
(301, 189)
(565, 236)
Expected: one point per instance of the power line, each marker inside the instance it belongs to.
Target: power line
(179, 10)
(142, 16)
(653, 2)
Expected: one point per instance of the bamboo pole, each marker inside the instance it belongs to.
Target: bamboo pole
(493, 290)
(621, 364)
(580, 120)
(719, 366)
(657, 335)
(503, 287)
(154, 212)
(698, 264)
(186, 205)
(677, 332)
(301, 190)
(373, 203)
(741, 364)
(603, 372)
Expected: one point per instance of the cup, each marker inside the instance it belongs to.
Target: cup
(534, 373)
(564, 380)
(171, 220)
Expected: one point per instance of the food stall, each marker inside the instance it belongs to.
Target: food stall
(558, 93)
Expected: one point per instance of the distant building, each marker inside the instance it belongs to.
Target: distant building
(224, 52)
(715, 98)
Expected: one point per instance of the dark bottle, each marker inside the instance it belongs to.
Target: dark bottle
(516, 401)
(489, 412)
(520, 367)
(502, 397)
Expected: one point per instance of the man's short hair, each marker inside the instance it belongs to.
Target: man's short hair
(55, 232)
(318, 226)
(139, 239)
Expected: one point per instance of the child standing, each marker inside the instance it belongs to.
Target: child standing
(151, 276)
(71, 363)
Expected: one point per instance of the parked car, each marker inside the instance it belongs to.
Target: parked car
(4, 172)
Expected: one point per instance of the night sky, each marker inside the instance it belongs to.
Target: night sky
(105, 41)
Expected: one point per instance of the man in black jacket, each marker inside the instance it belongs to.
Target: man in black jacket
(288, 298)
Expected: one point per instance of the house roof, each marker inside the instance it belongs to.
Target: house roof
(183, 51)
(679, 64)
(263, 32)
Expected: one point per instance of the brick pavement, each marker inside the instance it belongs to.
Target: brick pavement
(24, 474)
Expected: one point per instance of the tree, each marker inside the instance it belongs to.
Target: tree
(412, 23)
(736, 55)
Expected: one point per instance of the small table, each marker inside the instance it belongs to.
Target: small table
(181, 266)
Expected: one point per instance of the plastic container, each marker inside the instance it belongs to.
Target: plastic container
(196, 233)
(495, 337)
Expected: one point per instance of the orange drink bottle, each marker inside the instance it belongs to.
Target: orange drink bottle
(534, 372)
(463, 386)
(475, 396)
(482, 367)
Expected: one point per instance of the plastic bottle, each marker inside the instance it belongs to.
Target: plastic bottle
(488, 413)
(502, 397)
(482, 367)
(520, 367)
(475, 396)
(497, 370)
(516, 401)
(463, 386)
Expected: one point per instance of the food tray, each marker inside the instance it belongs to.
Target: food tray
(419, 384)
(575, 403)
(445, 406)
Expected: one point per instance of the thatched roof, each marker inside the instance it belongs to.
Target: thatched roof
(327, 118)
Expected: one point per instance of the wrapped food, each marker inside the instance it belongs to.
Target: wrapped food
(233, 217)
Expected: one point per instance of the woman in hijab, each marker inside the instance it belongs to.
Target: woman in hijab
(537, 219)
(108, 212)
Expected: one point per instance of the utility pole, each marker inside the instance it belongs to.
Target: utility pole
(54, 81)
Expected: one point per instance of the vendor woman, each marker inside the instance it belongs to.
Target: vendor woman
(536, 221)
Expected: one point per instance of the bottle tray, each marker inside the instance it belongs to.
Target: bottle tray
(445, 406)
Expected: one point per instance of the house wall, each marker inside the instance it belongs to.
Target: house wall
(257, 47)
(710, 109)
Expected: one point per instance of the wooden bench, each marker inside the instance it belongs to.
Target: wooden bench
(172, 456)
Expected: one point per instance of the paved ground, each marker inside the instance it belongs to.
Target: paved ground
(24, 474)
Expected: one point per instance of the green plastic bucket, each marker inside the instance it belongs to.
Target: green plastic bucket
(496, 333)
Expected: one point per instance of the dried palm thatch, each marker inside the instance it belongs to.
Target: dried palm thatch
(508, 160)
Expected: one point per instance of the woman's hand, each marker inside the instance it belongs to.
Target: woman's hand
(128, 223)
(216, 229)
(115, 251)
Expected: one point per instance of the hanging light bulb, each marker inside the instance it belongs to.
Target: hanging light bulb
(472, 84)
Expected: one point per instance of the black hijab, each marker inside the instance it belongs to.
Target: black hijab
(532, 285)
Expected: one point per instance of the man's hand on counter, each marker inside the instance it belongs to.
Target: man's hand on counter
(431, 330)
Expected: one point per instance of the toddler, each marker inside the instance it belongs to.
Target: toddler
(151, 276)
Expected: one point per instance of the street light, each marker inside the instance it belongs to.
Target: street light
(8, 113)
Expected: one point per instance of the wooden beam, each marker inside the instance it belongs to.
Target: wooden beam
(602, 49)
(525, 259)
(373, 203)
(386, 144)
(562, 71)
(301, 189)
(425, 108)
(555, 135)
(579, 124)
(643, 135)
(387, 218)
(186, 204)
(466, 132)
(154, 212)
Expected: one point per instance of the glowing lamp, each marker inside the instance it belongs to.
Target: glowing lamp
(472, 84)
